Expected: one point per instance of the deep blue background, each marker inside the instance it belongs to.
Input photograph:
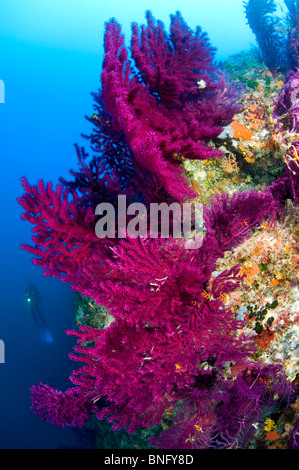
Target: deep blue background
(51, 57)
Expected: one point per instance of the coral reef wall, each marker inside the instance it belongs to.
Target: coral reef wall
(169, 338)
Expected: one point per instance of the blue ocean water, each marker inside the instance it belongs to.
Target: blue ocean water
(51, 58)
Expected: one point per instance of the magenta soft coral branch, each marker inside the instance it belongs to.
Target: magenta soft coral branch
(68, 408)
(231, 219)
(166, 324)
(161, 335)
(166, 115)
(171, 65)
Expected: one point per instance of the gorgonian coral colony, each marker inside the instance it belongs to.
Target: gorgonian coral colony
(173, 349)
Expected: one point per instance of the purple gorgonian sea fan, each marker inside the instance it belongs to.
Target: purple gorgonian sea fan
(154, 353)
(172, 335)
(169, 98)
(287, 105)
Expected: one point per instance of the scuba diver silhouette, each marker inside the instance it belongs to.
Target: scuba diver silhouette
(33, 298)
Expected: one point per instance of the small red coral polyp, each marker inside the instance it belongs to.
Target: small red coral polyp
(264, 338)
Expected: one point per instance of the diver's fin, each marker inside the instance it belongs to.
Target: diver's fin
(45, 335)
